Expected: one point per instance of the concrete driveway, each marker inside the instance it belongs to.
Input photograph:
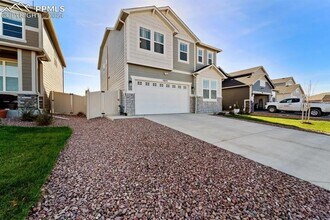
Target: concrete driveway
(301, 154)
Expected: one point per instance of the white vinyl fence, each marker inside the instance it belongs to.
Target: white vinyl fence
(102, 103)
(67, 103)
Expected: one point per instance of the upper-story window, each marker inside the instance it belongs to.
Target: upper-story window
(145, 38)
(183, 52)
(200, 55)
(8, 76)
(12, 25)
(159, 42)
(209, 58)
(262, 83)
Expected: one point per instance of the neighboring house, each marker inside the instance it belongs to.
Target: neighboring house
(31, 60)
(287, 88)
(250, 89)
(322, 97)
(158, 65)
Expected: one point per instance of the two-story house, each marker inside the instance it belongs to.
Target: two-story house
(249, 89)
(31, 60)
(159, 65)
(287, 88)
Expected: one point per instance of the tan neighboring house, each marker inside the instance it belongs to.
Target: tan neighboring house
(31, 60)
(287, 88)
(250, 89)
(322, 97)
(158, 65)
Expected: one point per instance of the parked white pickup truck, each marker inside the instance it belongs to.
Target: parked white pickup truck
(296, 105)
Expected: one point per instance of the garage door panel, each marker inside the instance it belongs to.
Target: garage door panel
(161, 98)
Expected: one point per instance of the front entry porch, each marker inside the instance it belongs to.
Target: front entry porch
(260, 100)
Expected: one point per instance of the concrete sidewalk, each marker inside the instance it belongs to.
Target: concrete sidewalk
(301, 154)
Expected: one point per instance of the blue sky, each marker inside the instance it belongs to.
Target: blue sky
(289, 38)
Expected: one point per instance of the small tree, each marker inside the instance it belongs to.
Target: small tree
(306, 108)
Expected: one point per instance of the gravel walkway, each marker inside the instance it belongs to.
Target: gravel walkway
(135, 168)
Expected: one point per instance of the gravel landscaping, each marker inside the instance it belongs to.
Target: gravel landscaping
(134, 168)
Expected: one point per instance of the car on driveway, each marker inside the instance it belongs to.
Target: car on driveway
(297, 105)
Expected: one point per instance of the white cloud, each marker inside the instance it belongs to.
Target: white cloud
(80, 74)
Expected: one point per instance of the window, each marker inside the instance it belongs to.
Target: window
(147, 84)
(8, 76)
(161, 85)
(12, 25)
(200, 53)
(183, 52)
(167, 86)
(209, 58)
(154, 84)
(173, 86)
(140, 83)
(145, 35)
(159, 43)
(209, 89)
(262, 83)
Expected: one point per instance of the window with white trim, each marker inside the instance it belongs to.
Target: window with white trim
(12, 25)
(262, 83)
(200, 55)
(8, 76)
(209, 89)
(145, 38)
(159, 42)
(183, 52)
(209, 58)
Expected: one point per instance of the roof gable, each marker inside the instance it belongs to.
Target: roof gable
(176, 20)
(247, 77)
(126, 12)
(283, 80)
(212, 67)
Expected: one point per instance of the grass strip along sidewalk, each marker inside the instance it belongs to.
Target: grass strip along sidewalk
(314, 126)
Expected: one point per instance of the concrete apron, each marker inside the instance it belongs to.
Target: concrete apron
(301, 154)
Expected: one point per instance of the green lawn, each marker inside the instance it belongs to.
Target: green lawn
(316, 125)
(27, 156)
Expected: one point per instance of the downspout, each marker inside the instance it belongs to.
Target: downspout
(250, 97)
(37, 76)
(195, 92)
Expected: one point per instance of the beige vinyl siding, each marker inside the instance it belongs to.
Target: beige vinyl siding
(103, 70)
(208, 74)
(183, 34)
(140, 56)
(116, 62)
(26, 70)
(52, 74)
(143, 71)
(177, 65)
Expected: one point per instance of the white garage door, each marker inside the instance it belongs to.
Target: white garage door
(161, 98)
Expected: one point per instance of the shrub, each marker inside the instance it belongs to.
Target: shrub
(28, 115)
(44, 119)
(81, 114)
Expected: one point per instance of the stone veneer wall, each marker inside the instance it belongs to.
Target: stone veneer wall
(192, 104)
(130, 103)
(209, 107)
(27, 102)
